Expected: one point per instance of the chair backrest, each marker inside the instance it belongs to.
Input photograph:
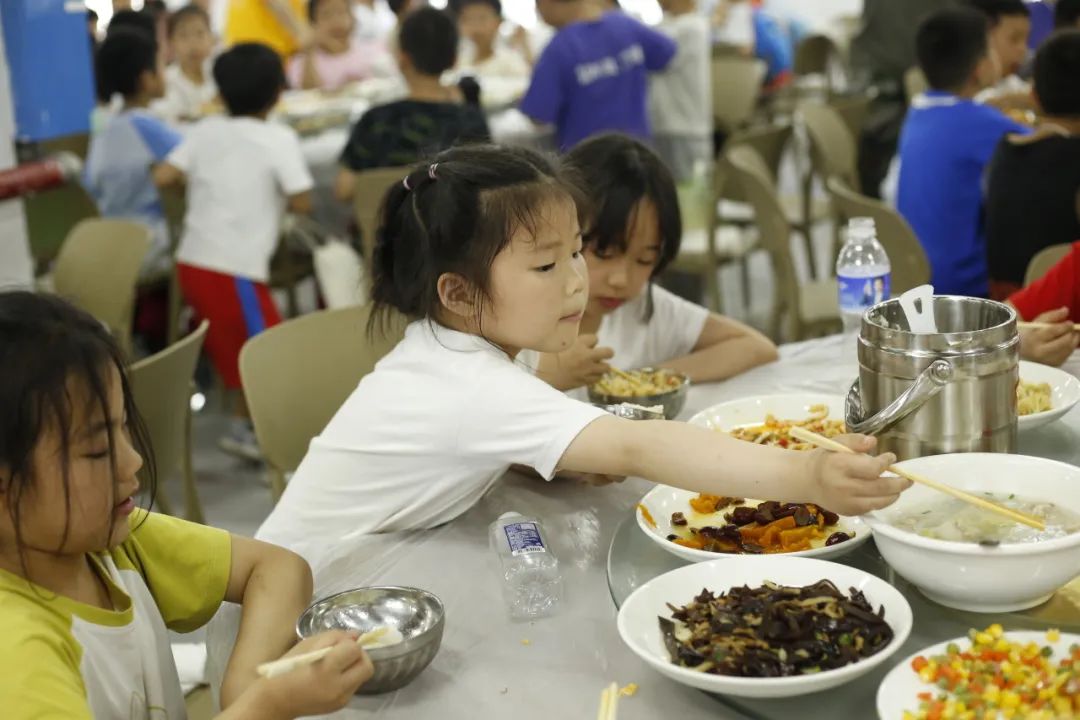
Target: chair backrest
(915, 82)
(832, 146)
(1044, 260)
(853, 110)
(750, 171)
(297, 374)
(736, 85)
(370, 189)
(161, 385)
(812, 55)
(174, 205)
(907, 259)
(769, 141)
(98, 268)
(50, 218)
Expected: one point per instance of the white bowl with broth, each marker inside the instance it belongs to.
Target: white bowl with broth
(965, 558)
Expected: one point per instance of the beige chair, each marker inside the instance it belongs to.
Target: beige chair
(174, 204)
(853, 110)
(98, 269)
(736, 85)
(1044, 260)
(297, 374)
(915, 83)
(813, 56)
(810, 308)
(162, 387)
(909, 265)
(371, 187)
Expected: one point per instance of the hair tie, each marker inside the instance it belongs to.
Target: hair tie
(431, 170)
(405, 184)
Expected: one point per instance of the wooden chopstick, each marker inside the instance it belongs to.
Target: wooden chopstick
(609, 703)
(1014, 515)
(622, 373)
(284, 665)
(1026, 325)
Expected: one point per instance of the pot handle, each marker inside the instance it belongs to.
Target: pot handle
(929, 383)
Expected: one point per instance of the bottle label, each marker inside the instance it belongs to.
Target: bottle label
(860, 293)
(524, 538)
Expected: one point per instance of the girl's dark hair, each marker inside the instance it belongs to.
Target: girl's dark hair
(46, 344)
(619, 172)
(122, 58)
(454, 214)
(313, 7)
(188, 12)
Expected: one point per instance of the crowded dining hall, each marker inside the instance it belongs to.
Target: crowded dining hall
(412, 359)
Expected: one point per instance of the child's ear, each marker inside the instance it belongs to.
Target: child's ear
(456, 295)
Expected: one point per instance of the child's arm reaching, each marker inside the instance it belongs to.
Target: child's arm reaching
(701, 460)
(274, 587)
(725, 348)
(166, 175)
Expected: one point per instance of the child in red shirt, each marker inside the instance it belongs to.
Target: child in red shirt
(1053, 299)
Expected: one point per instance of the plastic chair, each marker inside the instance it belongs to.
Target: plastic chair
(1044, 260)
(736, 85)
(162, 385)
(810, 308)
(813, 56)
(98, 269)
(371, 187)
(296, 375)
(915, 83)
(910, 267)
(853, 110)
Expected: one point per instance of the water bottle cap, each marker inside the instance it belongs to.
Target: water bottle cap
(506, 515)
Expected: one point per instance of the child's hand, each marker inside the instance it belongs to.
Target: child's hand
(1050, 345)
(581, 364)
(852, 484)
(327, 684)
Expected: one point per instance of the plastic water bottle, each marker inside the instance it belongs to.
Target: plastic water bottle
(531, 583)
(862, 272)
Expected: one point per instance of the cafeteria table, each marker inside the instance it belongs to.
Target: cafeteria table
(490, 666)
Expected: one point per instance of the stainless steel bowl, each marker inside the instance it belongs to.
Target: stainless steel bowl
(417, 614)
(672, 401)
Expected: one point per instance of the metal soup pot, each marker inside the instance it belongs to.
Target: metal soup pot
(944, 392)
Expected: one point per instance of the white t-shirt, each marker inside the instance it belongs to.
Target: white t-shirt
(420, 441)
(183, 98)
(239, 171)
(680, 96)
(505, 62)
(671, 332)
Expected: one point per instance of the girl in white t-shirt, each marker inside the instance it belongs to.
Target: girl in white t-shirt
(91, 585)
(632, 234)
(482, 248)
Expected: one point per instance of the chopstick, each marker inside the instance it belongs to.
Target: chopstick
(284, 665)
(622, 373)
(1033, 325)
(1014, 515)
(609, 703)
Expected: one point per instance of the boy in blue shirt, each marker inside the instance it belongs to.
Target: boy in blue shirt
(132, 140)
(945, 146)
(591, 77)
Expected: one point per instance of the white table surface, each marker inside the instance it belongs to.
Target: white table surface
(490, 666)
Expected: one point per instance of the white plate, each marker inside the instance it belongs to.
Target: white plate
(900, 689)
(752, 410)
(640, 630)
(1064, 393)
(662, 500)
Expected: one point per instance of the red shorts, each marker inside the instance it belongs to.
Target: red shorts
(237, 309)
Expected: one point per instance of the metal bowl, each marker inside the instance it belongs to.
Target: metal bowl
(417, 614)
(672, 400)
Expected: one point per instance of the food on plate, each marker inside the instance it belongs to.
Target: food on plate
(956, 520)
(1033, 398)
(775, 431)
(638, 383)
(774, 630)
(647, 515)
(997, 678)
(767, 527)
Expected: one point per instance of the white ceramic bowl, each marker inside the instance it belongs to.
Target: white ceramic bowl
(968, 576)
(752, 410)
(640, 629)
(900, 689)
(662, 500)
(1064, 393)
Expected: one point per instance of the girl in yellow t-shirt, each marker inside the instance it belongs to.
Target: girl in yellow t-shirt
(90, 585)
(277, 23)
